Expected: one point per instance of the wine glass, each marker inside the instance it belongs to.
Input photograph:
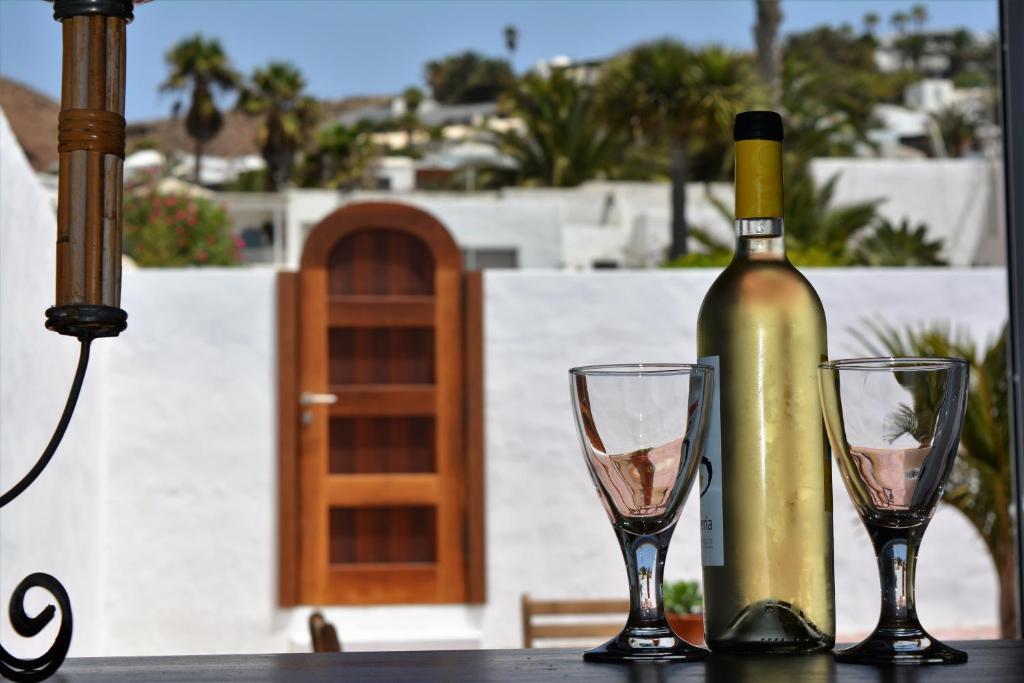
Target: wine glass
(641, 427)
(894, 424)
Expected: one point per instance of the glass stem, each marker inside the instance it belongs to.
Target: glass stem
(896, 550)
(645, 566)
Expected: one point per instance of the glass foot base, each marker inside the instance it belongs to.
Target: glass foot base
(646, 645)
(900, 646)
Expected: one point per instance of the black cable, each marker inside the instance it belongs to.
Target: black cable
(58, 433)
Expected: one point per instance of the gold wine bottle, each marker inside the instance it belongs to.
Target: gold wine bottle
(766, 490)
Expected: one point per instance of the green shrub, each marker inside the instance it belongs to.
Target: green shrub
(683, 597)
(890, 244)
(167, 230)
(701, 259)
(974, 78)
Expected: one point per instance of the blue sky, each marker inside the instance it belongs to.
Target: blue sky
(364, 47)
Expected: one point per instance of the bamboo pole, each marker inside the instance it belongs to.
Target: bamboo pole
(64, 177)
(91, 161)
(78, 184)
(96, 190)
(112, 165)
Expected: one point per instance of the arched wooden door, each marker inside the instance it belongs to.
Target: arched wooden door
(382, 467)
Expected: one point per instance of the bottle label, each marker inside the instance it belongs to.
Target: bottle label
(712, 548)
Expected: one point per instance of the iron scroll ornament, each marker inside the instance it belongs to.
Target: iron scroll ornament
(41, 667)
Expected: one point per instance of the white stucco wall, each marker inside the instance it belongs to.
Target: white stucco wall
(959, 200)
(190, 544)
(55, 525)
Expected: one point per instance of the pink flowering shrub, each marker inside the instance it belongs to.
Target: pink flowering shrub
(177, 230)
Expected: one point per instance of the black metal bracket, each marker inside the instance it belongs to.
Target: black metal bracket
(64, 9)
(86, 321)
(40, 668)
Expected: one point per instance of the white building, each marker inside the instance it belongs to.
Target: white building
(627, 224)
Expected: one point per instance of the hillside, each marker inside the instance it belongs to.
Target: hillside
(33, 118)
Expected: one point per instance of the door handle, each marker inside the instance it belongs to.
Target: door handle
(308, 398)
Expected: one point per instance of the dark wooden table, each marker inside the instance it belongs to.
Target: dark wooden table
(991, 661)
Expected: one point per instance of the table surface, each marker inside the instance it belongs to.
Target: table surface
(991, 661)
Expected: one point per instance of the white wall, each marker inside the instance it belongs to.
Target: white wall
(55, 525)
(190, 549)
(958, 199)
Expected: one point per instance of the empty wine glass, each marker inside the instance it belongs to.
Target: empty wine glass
(641, 427)
(894, 424)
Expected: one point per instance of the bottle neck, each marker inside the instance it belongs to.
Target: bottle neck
(760, 239)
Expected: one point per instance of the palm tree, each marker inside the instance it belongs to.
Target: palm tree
(979, 486)
(957, 126)
(890, 245)
(899, 22)
(960, 48)
(511, 34)
(468, 78)
(831, 85)
(766, 37)
(919, 15)
(412, 98)
(663, 91)
(815, 228)
(562, 142)
(817, 232)
(871, 21)
(276, 93)
(339, 158)
(198, 66)
(914, 46)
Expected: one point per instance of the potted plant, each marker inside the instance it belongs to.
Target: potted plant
(685, 607)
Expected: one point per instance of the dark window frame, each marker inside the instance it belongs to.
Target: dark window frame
(1012, 62)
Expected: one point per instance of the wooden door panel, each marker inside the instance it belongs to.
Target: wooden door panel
(396, 444)
(380, 546)
(450, 460)
(313, 435)
(382, 490)
(382, 584)
(388, 262)
(393, 399)
(381, 355)
(393, 311)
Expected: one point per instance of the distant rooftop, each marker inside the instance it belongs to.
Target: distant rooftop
(430, 113)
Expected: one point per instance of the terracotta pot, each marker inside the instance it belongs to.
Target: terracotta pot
(689, 627)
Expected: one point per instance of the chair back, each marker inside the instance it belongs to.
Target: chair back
(325, 636)
(571, 619)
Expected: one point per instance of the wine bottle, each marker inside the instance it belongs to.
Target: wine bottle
(766, 489)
